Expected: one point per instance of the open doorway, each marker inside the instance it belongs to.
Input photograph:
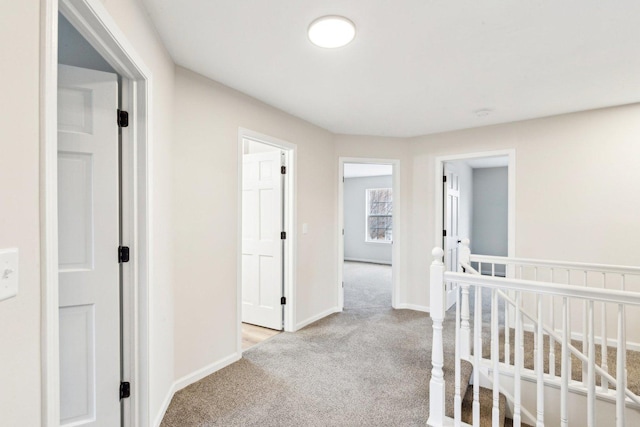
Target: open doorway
(265, 288)
(475, 199)
(94, 203)
(369, 221)
(476, 194)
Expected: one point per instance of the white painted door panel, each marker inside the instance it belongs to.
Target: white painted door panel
(88, 234)
(451, 224)
(261, 243)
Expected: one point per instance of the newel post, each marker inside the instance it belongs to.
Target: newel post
(436, 298)
(465, 330)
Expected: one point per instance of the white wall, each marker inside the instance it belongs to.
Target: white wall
(206, 215)
(356, 248)
(489, 235)
(576, 183)
(19, 218)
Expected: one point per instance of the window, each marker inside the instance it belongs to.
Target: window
(379, 209)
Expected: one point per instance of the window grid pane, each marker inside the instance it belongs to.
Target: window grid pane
(379, 214)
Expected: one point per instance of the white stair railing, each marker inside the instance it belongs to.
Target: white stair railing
(526, 307)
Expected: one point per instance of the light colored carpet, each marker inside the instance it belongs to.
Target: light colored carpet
(366, 285)
(363, 367)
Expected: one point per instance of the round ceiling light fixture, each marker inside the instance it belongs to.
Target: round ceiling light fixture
(331, 31)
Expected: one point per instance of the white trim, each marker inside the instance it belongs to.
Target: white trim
(397, 226)
(415, 307)
(369, 261)
(196, 376)
(439, 170)
(93, 21)
(189, 379)
(290, 214)
(577, 336)
(165, 405)
(317, 317)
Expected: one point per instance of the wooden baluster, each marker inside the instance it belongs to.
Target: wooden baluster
(457, 399)
(540, 363)
(565, 368)
(465, 329)
(495, 358)
(507, 333)
(535, 331)
(624, 288)
(436, 385)
(585, 342)
(621, 364)
(518, 359)
(493, 269)
(604, 351)
(591, 371)
(552, 345)
(477, 354)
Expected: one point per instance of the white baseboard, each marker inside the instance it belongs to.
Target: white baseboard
(192, 378)
(576, 336)
(165, 405)
(370, 261)
(415, 307)
(317, 317)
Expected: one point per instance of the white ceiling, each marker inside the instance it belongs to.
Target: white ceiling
(415, 66)
(359, 170)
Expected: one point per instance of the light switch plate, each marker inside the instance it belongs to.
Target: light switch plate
(8, 273)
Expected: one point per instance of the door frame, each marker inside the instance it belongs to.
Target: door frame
(397, 226)
(290, 220)
(439, 193)
(93, 21)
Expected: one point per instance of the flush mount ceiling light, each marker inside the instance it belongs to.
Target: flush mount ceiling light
(331, 31)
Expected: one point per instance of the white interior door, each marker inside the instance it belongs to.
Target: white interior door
(451, 224)
(262, 245)
(88, 233)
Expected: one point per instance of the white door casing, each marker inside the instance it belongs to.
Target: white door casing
(262, 246)
(451, 223)
(88, 228)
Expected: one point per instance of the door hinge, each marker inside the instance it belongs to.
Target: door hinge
(283, 300)
(123, 119)
(343, 284)
(283, 170)
(283, 235)
(444, 178)
(125, 390)
(123, 254)
(444, 233)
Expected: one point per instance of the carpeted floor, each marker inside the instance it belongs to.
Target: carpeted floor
(366, 285)
(367, 366)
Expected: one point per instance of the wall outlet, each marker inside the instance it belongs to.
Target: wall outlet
(8, 273)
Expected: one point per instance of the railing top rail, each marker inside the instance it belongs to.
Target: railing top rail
(570, 291)
(603, 268)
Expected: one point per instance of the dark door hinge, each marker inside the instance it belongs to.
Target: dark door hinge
(444, 233)
(283, 170)
(123, 254)
(283, 235)
(283, 301)
(123, 119)
(444, 178)
(125, 390)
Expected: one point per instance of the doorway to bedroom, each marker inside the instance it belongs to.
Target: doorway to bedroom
(367, 234)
